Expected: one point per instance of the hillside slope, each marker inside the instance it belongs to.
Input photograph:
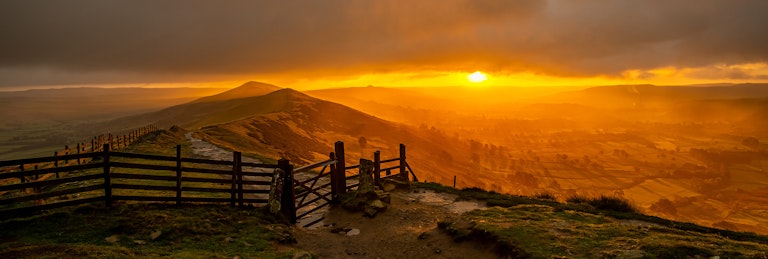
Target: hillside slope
(305, 128)
(244, 101)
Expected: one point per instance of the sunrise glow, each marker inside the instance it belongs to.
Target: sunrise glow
(477, 77)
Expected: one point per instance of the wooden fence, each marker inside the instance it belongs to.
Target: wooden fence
(108, 176)
(96, 144)
(340, 178)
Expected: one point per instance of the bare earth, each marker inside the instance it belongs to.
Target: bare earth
(407, 229)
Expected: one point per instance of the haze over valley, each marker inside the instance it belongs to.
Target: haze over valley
(661, 103)
(689, 153)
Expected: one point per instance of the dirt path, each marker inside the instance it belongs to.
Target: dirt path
(407, 229)
(206, 149)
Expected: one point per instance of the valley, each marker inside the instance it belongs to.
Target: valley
(693, 154)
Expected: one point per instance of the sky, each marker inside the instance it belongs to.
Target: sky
(309, 44)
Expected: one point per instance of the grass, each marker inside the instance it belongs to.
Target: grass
(540, 226)
(541, 231)
(129, 229)
(604, 203)
(146, 230)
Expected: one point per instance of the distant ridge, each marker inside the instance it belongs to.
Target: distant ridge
(249, 89)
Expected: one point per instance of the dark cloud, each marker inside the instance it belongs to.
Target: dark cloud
(129, 41)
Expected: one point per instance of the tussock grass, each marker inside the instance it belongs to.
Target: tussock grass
(146, 230)
(609, 206)
(604, 203)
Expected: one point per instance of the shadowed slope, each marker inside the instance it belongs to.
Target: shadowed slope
(249, 89)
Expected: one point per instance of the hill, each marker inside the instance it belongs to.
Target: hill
(676, 151)
(231, 105)
(249, 89)
(305, 128)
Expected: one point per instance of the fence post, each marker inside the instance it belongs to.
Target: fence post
(107, 179)
(56, 163)
(239, 171)
(66, 152)
(287, 200)
(403, 173)
(377, 168)
(178, 174)
(340, 179)
(332, 173)
(22, 178)
(233, 189)
(78, 152)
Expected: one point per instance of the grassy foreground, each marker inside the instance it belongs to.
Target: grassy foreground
(602, 227)
(146, 230)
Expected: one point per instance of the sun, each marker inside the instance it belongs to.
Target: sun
(477, 77)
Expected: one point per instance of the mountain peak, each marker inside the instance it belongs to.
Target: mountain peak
(248, 89)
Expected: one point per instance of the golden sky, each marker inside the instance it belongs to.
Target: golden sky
(319, 44)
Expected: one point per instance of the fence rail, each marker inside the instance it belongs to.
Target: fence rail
(108, 176)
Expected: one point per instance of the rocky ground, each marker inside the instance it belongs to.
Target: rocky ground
(407, 229)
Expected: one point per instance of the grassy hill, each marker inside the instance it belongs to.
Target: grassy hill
(243, 101)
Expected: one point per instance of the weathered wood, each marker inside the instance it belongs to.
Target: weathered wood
(352, 167)
(178, 174)
(320, 197)
(233, 188)
(390, 160)
(201, 189)
(51, 194)
(207, 180)
(143, 156)
(249, 164)
(49, 182)
(145, 177)
(377, 168)
(255, 182)
(56, 164)
(205, 161)
(403, 173)
(313, 166)
(313, 210)
(304, 193)
(142, 198)
(253, 191)
(260, 174)
(334, 191)
(339, 177)
(107, 178)
(144, 166)
(48, 170)
(288, 198)
(415, 179)
(390, 168)
(143, 187)
(45, 159)
(238, 170)
(207, 171)
(20, 174)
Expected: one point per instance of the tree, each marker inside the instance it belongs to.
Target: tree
(363, 142)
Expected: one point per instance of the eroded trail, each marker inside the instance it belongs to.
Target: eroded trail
(208, 150)
(407, 229)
